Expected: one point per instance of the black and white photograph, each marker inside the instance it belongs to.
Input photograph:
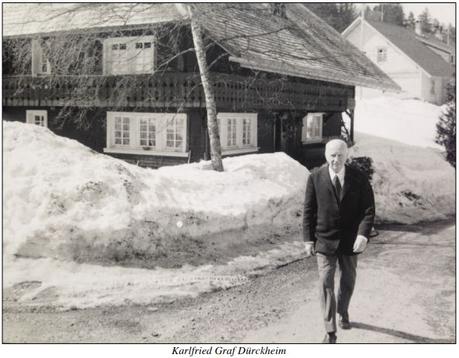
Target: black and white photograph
(228, 179)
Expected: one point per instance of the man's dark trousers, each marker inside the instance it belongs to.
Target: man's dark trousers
(347, 266)
(333, 224)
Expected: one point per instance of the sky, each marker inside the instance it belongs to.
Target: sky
(444, 12)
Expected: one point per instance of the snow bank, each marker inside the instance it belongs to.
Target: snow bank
(68, 285)
(409, 121)
(62, 200)
(411, 184)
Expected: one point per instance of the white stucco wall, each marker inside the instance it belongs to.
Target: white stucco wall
(398, 66)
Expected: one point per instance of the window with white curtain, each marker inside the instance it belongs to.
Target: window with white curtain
(147, 133)
(312, 127)
(38, 117)
(129, 55)
(238, 132)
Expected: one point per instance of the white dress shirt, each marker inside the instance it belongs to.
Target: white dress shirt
(339, 174)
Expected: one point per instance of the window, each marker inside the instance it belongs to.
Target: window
(40, 62)
(38, 117)
(231, 132)
(246, 128)
(381, 54)
(122, 130)
(174, 133)
(146, 133)
(238, 132)
(129, 55)
(312, 127)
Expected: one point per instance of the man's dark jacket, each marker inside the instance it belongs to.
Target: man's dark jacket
(332, 223)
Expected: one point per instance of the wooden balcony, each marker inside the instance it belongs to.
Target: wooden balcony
(174, 90)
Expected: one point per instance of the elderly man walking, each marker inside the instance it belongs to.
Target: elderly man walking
(338, 217)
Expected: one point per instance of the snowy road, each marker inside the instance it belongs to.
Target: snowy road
(405, 293)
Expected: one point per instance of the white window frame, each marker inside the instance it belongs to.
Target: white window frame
(161, 120)
(237, 119)
(31, 113)
(39, 60)
(381, 54)
(131, 52)
(304, 130)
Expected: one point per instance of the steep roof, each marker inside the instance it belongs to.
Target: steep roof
(407, 42)
(299, 44)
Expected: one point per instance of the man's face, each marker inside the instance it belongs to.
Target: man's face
(336, 155)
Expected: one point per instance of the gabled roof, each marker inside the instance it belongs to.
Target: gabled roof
(407, 42)
(299, 44)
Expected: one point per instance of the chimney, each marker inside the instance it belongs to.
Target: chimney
(278, 9)
(418, 28)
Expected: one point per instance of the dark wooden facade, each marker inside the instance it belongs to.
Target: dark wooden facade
(280, 101)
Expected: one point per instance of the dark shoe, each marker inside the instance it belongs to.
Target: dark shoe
(329, 338)
(344, 323)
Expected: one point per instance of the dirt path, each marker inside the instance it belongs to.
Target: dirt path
(405, 293)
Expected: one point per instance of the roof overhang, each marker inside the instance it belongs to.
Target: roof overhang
(290, 70)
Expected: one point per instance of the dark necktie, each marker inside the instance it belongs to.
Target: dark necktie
(337, 185)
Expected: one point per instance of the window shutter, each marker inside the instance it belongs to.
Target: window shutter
(109, 135)
(254, 131)
(105, 47)
(304, 129)
(36, 55)
(29, 117)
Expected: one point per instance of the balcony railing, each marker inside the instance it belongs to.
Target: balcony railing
(179, 90)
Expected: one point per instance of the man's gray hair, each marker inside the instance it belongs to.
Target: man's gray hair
(336, 142)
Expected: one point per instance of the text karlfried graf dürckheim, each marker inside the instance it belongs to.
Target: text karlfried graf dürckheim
(229, 351)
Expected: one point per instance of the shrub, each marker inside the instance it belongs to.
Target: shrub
(364, 164)
(446, 126)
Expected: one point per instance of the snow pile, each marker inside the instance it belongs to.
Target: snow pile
(409, 121)
(411, 184)
(63, 200)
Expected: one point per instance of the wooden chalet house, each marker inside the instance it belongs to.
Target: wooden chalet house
(123, 78)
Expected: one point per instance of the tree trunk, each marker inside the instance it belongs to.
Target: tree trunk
(214, 137)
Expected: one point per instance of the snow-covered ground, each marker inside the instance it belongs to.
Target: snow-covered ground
(411, 184)
(88, 229)
(412, 181)
(408, 121)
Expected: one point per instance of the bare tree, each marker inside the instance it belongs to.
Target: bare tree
(212, 125)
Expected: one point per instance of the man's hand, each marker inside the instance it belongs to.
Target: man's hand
(360, 244)
(309, 246)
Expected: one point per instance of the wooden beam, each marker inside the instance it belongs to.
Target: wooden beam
(351, 115)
